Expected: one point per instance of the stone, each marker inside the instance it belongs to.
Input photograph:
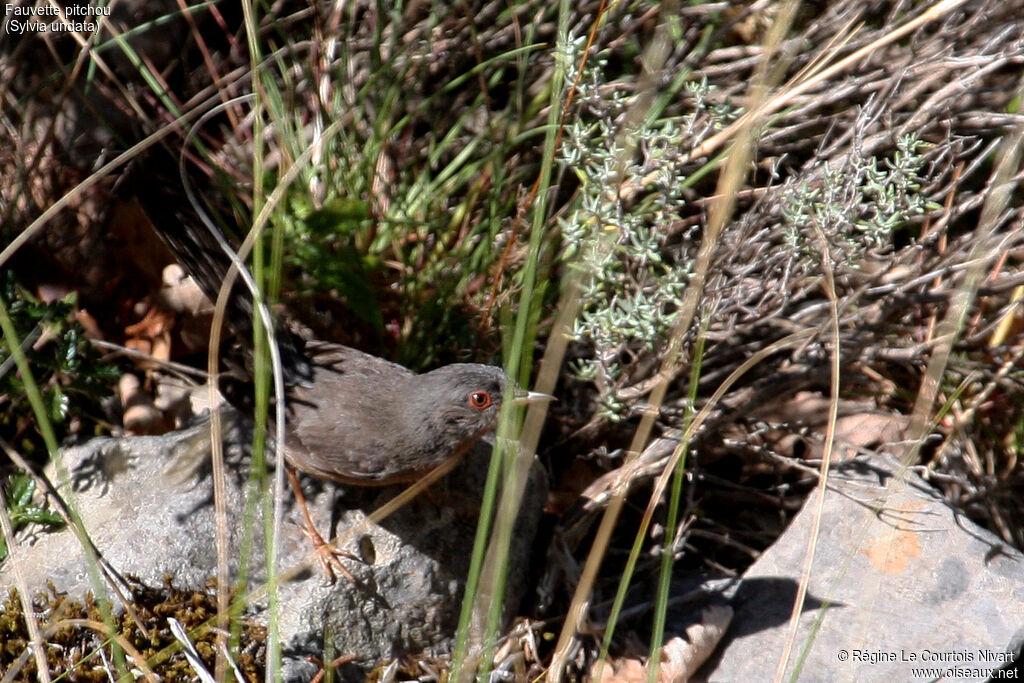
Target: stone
(905, 588)
(147, 504)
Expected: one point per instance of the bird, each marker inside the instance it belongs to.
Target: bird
(351, 417)
(364, 421)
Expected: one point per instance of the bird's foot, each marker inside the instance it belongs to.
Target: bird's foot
(328, 557)
(339, 661)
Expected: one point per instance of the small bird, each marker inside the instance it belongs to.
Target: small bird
(364, 421)
(351, 417)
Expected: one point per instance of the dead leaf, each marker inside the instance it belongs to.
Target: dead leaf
(860, 425)
(681, 657)
(152, 333)
(620, 670)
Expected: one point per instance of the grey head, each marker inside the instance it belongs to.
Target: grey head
(455, 405)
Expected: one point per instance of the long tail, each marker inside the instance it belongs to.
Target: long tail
(202, 248)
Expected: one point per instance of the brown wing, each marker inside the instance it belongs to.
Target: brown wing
(342, 424)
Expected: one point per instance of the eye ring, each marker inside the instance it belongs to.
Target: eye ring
(481, 400)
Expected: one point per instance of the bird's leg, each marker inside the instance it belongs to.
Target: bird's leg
(326, 553)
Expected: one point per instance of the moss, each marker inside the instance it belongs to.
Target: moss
(76, 649)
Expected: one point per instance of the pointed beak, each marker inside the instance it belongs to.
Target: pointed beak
(523, 397)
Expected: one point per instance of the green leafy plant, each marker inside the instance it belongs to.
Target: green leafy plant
(321, 249)
(634, 279)
(22, 510)
(857, 205)
(65, 366)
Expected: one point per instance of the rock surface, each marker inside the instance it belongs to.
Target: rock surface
(151, 513)
(904, 588)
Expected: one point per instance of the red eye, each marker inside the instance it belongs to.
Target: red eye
(480, 400)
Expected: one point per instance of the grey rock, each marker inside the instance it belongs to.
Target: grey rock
(149, 508)
(900, 581)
